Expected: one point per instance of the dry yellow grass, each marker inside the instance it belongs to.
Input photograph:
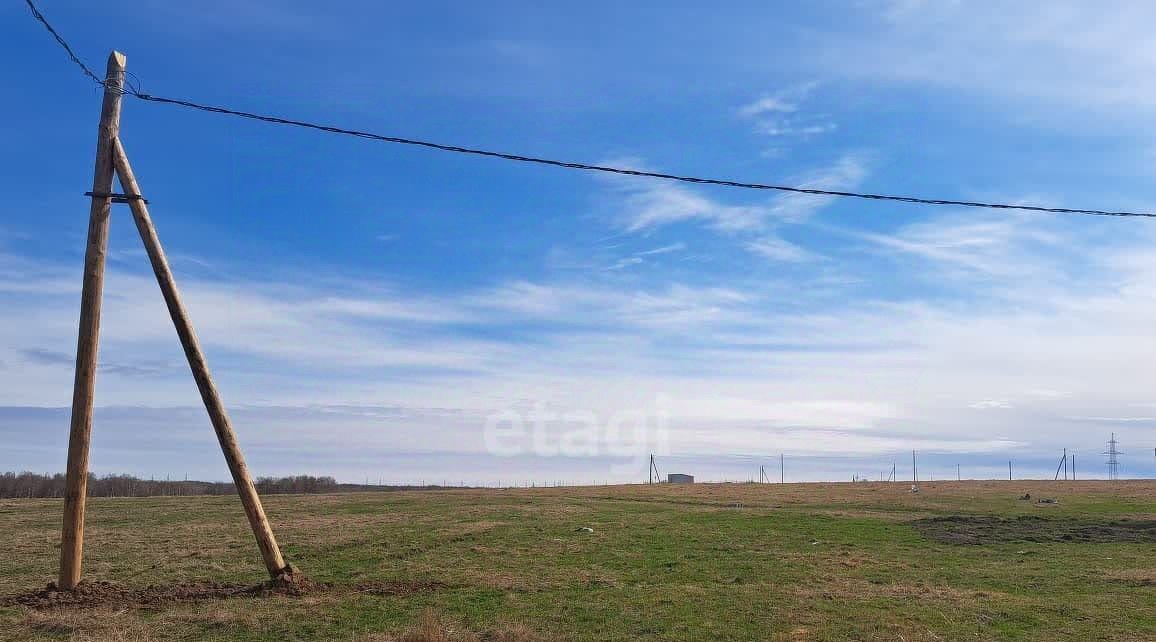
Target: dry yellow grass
(432, 627)
(104, 625)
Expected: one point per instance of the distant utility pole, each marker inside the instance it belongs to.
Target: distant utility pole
(957, 477)
(782, 470)
(1073, 468)
(763, 474)
(1009, 472)
(1062, 465)
(654, 476)
(914, 469)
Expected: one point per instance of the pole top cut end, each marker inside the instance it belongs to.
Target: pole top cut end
(117, 59)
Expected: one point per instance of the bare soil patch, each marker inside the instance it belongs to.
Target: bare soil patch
(100, 593)
(987, 529)
(92, 594)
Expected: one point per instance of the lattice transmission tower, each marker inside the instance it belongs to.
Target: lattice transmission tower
(1113, 454)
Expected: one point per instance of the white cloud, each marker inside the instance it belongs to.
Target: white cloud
(776, 249)
(1146, 420)
(782, 127)
(781, 115)
(748, 367)
(785, 100)
(644, 256)
(665, 249)
(766, 104)
(621, 264)
(653, 204)
(1072, 56)
(989, 403)
(969, 244)
(845, 174)
(646, 204)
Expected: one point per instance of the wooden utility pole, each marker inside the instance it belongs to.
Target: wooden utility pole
(110, 159)
(1062, 465)
(263, 532)
(84, 384)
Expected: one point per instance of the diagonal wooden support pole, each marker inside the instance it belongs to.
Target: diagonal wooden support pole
(84, 385)
(270, 552)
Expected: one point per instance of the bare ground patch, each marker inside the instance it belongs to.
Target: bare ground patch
(987, 529)
(108, 594)
(100, 593)
(401, 587)
(1135, 577)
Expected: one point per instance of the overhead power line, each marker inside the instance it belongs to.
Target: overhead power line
(63, 43)
(132, 91)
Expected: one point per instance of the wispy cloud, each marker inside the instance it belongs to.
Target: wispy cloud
(1069, 55)
(845, 174)
(645, 256)
(785, 128)
(768, 104)
(747, 366)
(783, 101)
(651, 204)
(1004, 252)
(781, 114)
(776, 249)
(625, 263)
(665, 249)
(648, 204)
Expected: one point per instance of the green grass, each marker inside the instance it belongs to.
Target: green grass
(795, 562)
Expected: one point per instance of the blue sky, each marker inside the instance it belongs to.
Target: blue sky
(375, 311)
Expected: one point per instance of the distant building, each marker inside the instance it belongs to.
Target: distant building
(679, 478)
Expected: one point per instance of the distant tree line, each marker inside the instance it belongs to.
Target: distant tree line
(295, 485)
(28, 484)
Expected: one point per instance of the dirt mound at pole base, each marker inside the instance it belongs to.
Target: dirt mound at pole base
(99, 593)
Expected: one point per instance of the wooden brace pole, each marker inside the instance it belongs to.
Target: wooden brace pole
(88, 335)
(263, 532)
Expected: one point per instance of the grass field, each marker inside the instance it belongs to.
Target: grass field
(705, 562)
